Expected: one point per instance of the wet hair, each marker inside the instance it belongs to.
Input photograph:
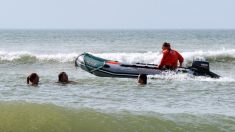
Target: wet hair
(60, 76)
(143, 77)
(167, 45)
(32, 77)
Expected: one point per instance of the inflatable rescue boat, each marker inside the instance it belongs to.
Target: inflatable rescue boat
(109, 68)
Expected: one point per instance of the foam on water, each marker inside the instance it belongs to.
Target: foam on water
(185, 76)
(153, 57)
(25, 56)
(147, 57)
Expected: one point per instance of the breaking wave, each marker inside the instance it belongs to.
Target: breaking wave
(43, 117)
(28, 57)
(223, 55)
(154, 58)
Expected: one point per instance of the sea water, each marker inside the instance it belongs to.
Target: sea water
(168, 103)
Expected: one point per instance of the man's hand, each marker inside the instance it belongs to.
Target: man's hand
(157, 67)
(180, 64)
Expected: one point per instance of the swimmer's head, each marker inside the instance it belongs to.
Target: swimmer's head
(33, 79)
(142, 79)
(63, 77)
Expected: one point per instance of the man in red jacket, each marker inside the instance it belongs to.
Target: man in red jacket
(170, 58)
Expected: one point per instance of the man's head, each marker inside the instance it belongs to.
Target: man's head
(63, 77)
(33, 79)
(142, 79)
(166, 46)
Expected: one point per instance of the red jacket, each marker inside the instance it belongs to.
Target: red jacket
(170, 59)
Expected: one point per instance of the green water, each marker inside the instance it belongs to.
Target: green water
(29, 117)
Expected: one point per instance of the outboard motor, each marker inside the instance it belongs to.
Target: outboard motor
(202, 68)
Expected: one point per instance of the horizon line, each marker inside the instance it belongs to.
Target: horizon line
(108, 29)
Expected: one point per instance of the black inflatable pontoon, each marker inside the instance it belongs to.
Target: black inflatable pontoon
(108, 68)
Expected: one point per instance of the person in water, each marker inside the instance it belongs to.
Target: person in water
(170, 58)
(63, 78)
(142, 79)
(33, 79)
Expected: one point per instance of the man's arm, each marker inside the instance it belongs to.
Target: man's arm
(180, 58)
(162, 61)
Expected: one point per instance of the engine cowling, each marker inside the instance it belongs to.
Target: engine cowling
(201, 66)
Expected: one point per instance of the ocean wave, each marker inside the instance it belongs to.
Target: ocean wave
(155, 57)
(223, 55)
(18, 116)
(28, 57)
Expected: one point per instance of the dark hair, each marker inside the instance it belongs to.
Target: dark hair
(60, 76)
(143, 77)
(166, 44)
(31, 77)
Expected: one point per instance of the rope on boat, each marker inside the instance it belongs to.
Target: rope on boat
(88, 67)
(94, 69)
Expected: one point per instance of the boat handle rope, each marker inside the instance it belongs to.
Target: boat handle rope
(93, 69)
(87, 66)
(76, 64)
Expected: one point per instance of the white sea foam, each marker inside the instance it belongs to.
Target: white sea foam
(153, 57)
(26, 56)
(185, 76)
(147, 57)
